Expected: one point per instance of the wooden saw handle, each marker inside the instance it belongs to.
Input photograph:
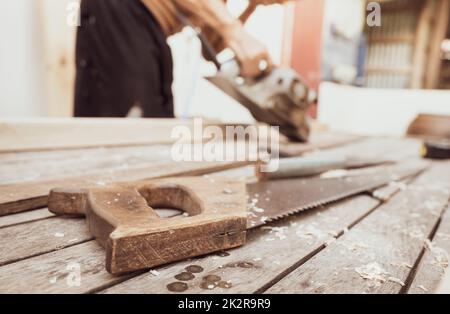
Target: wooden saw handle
(123, 220)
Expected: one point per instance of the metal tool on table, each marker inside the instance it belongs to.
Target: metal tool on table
(297, 167)
(278, 97)
(123, 219)
(436, 149)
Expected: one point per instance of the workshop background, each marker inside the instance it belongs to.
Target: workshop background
(370, 80)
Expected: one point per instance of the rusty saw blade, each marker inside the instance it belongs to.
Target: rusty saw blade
(273, 200)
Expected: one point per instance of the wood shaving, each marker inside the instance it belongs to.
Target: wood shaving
(440, 255)
(154, 272)
(374, 273)
(309, 231)
(279, 232)
(59, 235)
(402, 264)
(423, 288)
(396, 280)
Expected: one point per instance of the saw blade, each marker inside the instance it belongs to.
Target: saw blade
(273, 200)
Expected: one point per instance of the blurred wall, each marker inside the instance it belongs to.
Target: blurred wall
(21, 87)
(36, 59)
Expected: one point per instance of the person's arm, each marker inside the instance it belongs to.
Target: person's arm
(249, 51)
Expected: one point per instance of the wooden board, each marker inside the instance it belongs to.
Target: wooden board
(384, 246)
(25, 135)
(35, 238)
(433, 265)
(42, 260)
(320, 140)
(34, 215)
(18, 197)
(52, 272)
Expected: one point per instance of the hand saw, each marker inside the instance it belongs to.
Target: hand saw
(123, 220)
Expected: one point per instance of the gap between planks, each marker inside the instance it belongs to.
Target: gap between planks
(431, 268)
(392, 237)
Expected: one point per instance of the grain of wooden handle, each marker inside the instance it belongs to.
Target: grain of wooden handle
(70, 202)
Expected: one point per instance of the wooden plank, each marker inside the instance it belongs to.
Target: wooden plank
(18, 197)
(435, 261)
(376, 255)
(57, 272)
(319, 140)
(268, 254)
(21, 218)
(26, 240)
(38, 166)
(64, 133)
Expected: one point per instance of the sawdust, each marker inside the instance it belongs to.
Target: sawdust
(402, 265)
(443, 236)
(354, 246)
(374, 273)
(440, 255)
(415, 232)
(396, 280)
(309, 231)
(252, 206)
(154, 273)
(423, 288)
(334, 174)
(277, 232)
(432, 205)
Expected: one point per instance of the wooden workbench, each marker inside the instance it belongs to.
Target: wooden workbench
(393, 240)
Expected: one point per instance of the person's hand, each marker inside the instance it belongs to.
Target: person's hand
(250, 52)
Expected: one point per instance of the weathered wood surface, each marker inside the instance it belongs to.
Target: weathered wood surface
(47, 262)
(18, 197)
(54, 272)
(268, 254)
(34, 215)
(26, 240)
(376, 256)
(44, 134)
(435, 260)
